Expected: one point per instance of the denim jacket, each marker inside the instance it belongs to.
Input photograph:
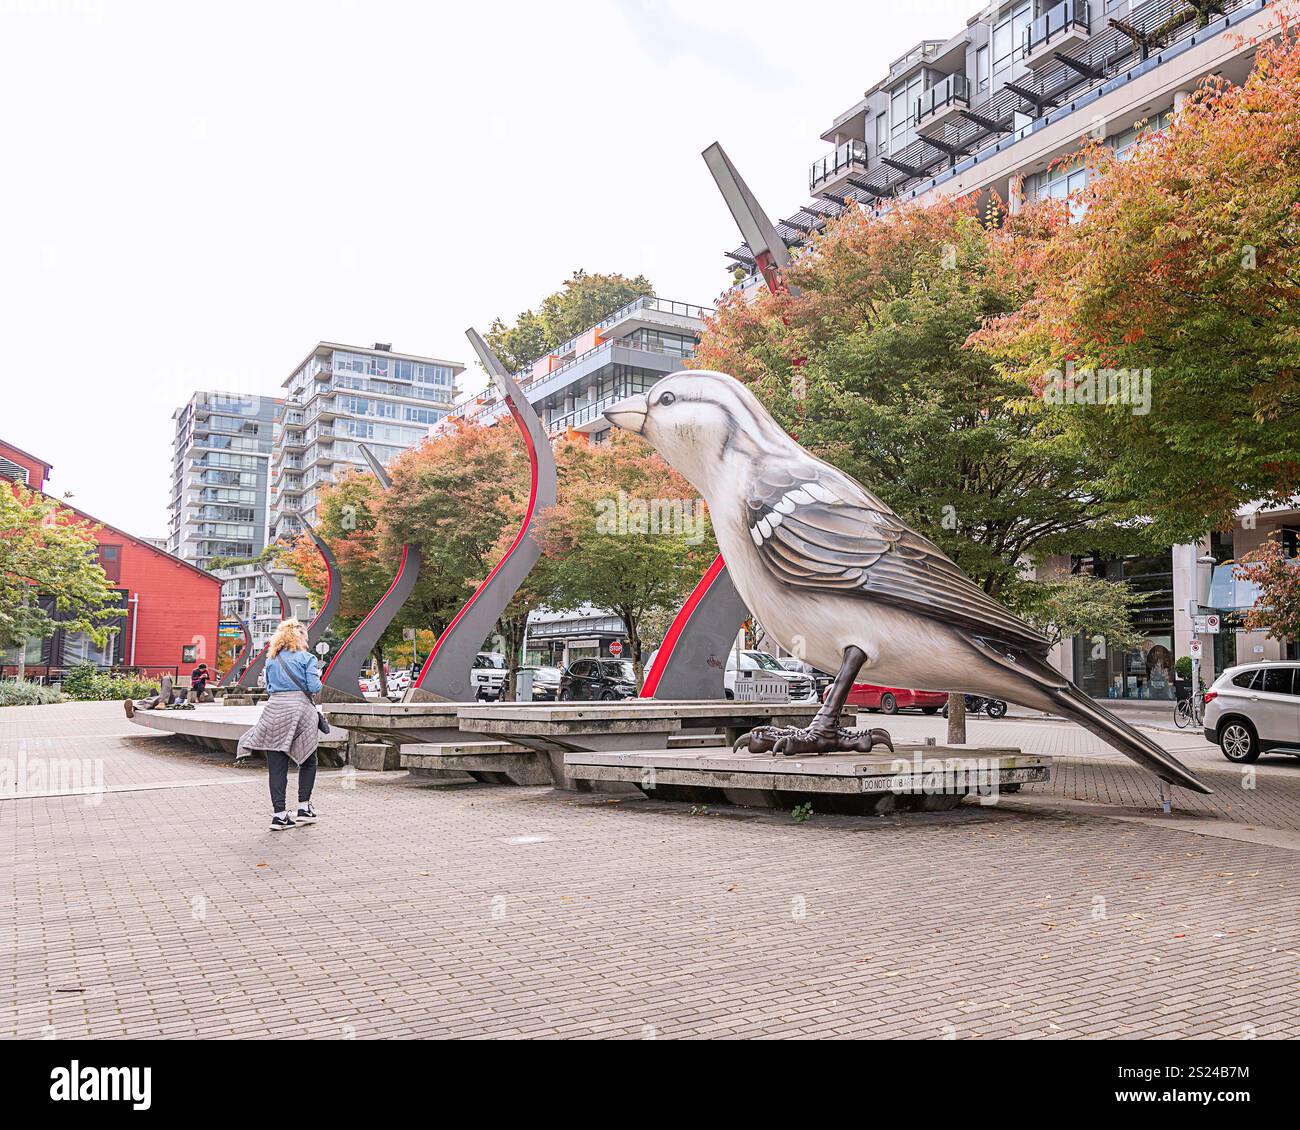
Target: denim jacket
(301, 663)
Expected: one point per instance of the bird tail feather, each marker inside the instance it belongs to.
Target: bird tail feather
(1069, 700)
(1078, 707)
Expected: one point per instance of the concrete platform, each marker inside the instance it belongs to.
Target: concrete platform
(402, 722)
(615, 725)
(548, 729)
(220, 727)
(552, 730)
(915, 777)
(505, 763)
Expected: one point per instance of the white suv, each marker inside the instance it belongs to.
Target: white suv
(1254, 709)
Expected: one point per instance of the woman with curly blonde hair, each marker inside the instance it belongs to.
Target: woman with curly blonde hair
(288, 729)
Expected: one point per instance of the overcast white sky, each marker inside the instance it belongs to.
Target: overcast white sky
(196, 193)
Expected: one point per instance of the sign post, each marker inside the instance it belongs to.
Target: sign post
(1194, 649)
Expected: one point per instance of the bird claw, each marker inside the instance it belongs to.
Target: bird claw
(792, 741)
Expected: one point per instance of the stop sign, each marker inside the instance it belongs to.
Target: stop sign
(616, 649)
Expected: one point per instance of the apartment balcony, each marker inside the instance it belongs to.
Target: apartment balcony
(581, 372)
(942, 104)
(1063, 28)
(833, 171)
(322, 457)
(589, 418)
(648, 312)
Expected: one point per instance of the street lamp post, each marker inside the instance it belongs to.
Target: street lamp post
(1204, 566)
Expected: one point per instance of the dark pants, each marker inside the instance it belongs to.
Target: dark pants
(278, 765)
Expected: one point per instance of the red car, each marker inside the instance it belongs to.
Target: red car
(890, 700)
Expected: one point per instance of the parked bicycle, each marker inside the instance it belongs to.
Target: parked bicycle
(1189, 711)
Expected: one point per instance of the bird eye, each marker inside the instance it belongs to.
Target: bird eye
(666, 399)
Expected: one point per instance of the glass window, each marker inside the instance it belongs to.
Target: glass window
(620, 669)
(1278, 680)
(1245, 679)
(982, 70)
(902, 106)
(882, 132)
(1008, 36)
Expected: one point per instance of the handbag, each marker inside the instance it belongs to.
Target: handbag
(321, 724)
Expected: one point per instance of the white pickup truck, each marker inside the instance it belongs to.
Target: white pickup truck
(759, 664)
(487, 678)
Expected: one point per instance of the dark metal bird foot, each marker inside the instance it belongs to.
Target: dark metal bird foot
(792, 741)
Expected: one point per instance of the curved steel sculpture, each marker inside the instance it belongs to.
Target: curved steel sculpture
(445, 675)
(693, 657)
(333, 590)
(342, 678)
(232, 672)
(249, 677)
(822, 560)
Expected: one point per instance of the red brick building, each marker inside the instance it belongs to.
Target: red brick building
(169, 607)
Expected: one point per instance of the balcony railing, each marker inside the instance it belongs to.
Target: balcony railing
(1071, 13)
(660, 305)
(494, 406)
(953, 90)
(850, 155)
(583, 415)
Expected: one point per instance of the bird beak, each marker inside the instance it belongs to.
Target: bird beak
(629, 413)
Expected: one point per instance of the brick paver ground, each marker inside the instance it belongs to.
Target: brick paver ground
(478, 911)
(1265, 793)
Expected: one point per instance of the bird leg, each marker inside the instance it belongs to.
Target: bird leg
(825, 734)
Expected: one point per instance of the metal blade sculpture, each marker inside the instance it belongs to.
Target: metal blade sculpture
(342, 677)
(333, 590)
(693, 656)
(249, 677)
(232, 672)
(445, 675)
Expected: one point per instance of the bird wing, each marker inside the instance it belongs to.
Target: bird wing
(815, 528)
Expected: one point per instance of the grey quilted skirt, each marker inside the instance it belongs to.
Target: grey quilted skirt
(287, 724)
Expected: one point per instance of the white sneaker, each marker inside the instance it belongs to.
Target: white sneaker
(305, 814)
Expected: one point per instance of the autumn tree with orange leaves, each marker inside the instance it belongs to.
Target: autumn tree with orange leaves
(1185, 263)
(453, 495)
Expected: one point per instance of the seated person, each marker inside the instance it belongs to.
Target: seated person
(160, 701)
(199, 679)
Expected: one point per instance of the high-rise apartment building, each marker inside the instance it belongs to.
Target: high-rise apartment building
(338, 396)
(623, 353)
(996, 105)
(220, 458)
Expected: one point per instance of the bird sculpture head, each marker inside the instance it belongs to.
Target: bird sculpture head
(703, 423)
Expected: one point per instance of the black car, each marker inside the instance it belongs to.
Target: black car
(606, 679)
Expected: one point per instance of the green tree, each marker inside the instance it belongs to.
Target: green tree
(581, 302)
(1183, 267)
(1064, 607)
(46, 552)
(628, 533)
